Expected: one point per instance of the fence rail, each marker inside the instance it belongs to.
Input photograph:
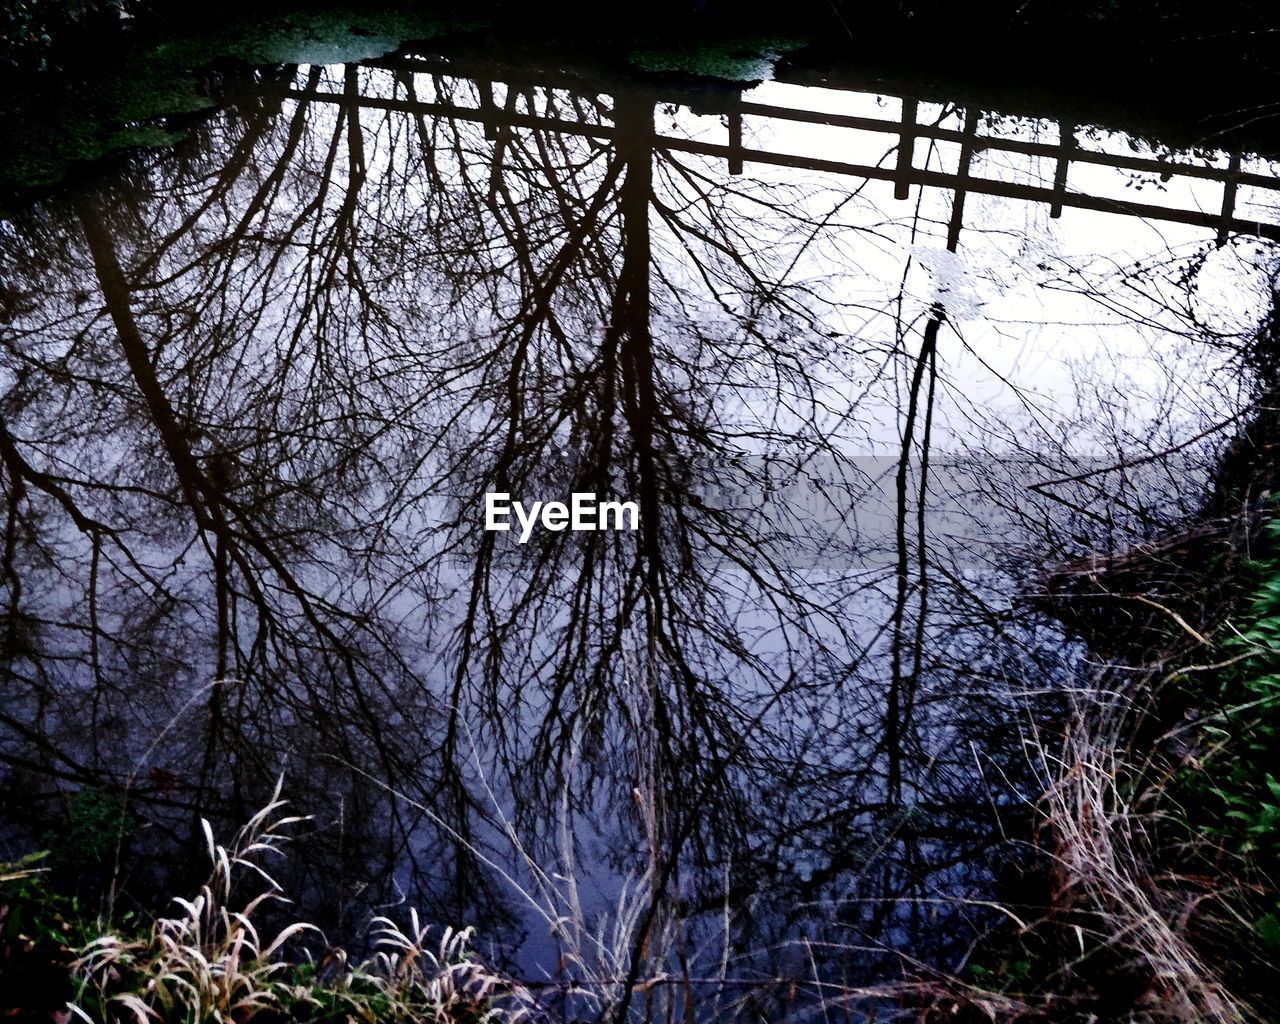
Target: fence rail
(1067, 152)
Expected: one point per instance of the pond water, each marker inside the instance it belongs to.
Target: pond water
(867, 365)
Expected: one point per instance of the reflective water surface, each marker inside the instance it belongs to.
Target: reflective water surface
(867, 364)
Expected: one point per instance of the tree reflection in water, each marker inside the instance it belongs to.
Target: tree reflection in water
(256, 390)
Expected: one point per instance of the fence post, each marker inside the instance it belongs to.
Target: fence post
(967, 146)
(488, 109)
(1229, 185)
(1066, 146)
(906, 149)
(735, 140)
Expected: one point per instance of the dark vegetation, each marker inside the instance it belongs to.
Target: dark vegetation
(1185, 925)
(231, 952)
(100, 75)
(1151, 33)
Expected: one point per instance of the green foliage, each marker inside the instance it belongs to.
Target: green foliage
(1009, 975)
(28, 28)
(41, 931)
(96, 824)
(1269, 932)
(1234, 796)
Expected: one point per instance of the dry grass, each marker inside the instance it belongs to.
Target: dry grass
(1107, 888)
(210, 963)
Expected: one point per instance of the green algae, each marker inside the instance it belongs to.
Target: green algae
(327, 37)
(749, 59)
